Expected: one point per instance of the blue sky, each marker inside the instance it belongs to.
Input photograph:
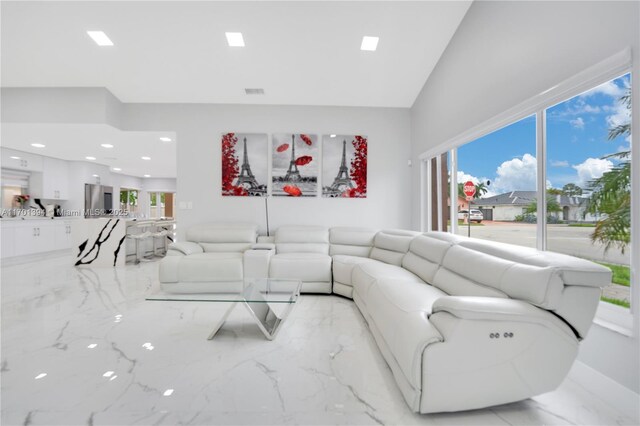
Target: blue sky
(577, 131)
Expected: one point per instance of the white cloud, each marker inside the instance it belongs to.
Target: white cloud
(591, 168)
(621, 115)
(556, 163)
(518, 174)
(578, 123)
(464, 177)
(609, 88)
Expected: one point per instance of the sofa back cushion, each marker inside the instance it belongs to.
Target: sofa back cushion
(224, 237)
(391, 245)
(425, 256)
(302, 239)
(351, 241)
(468, 272)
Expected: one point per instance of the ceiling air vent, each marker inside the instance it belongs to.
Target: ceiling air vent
(254, 91)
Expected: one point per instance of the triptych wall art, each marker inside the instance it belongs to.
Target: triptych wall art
(295, 169)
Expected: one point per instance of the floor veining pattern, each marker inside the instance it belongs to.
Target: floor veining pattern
(83, 347)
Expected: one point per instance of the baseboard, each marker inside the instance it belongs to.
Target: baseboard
(613, 393)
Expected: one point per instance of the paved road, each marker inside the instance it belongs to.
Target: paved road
(560, 238)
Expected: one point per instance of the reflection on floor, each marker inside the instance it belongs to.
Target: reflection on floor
(82, 346)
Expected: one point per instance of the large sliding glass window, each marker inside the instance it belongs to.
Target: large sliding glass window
(588, 180)
(586, 170)
(502, 165)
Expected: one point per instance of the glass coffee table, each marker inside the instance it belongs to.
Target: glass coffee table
(257, 296)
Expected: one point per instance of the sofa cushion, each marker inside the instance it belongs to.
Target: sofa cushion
(425, 256)
(307, 267)
(209, 267)
(302, 239)
(573, 270)
(343, 267)
(223, 237)
(473, 273)
(364, 275)
(390, 246)
(351, 241)
(400, 311)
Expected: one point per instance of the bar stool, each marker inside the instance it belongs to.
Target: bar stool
(137, 239)
(162, 234)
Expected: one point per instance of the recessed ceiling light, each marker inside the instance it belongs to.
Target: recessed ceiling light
(37, 145)
(168, 392)
(90, 158)
(116, 169)
(257, 91)
(92, 346)
(146, 158)
(41, 375)
(108, 373)
(165, 139)
(369, 43)
(235, 39)
(332, 136)
(15, 158)
(106, 145)
(96, 175)
(100, 38)
(147, 175)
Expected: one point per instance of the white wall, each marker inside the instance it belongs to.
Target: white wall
(159, 184)
(199, 128)
(504, 53)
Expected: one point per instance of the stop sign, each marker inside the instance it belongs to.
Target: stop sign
(469, 189)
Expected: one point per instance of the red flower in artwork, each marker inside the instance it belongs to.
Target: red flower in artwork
(230, 166)
(359, 168)
(306, 139)
(292, 190)
(282, 147)
(305, 159)
(350, 193)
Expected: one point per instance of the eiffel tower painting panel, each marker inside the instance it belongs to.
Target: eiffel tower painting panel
(295, 165)
(344, 166)
(244, 164)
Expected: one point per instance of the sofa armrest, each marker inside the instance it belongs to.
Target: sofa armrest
(263, 246)
(186, 248)
(497, 309)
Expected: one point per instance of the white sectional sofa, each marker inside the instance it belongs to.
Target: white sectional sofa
(462, 323)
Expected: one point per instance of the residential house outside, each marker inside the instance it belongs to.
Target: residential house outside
(506, 206)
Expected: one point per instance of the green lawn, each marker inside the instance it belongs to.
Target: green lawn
(583, 225)
(621, 273)
(623, 303)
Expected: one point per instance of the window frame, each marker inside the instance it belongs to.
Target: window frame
(615, 318)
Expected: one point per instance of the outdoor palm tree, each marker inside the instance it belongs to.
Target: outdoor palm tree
(611, 194)
(481, 189)
(552, 205)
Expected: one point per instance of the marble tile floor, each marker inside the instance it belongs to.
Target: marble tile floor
(83, 347)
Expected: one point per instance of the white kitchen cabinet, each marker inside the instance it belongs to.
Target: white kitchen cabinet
(53, 182)
(62, 239)
(18, 160)
(34, 236)
(7, 240)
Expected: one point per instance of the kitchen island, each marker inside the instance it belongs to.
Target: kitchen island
(99, 241)
(109, 241)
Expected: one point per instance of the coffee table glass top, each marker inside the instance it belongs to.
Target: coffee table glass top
(262, 290)
(256, 295)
